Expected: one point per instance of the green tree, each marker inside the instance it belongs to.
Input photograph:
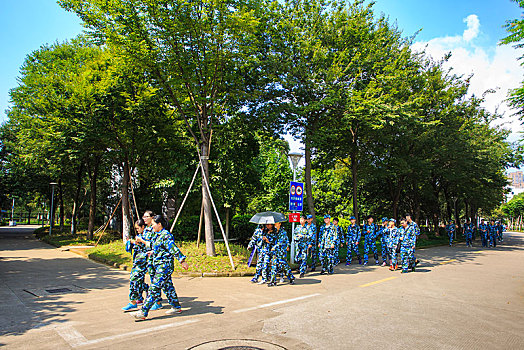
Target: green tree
(194, 52)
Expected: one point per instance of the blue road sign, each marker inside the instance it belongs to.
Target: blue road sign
(296, 196)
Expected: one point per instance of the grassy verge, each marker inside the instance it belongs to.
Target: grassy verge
(199, 262)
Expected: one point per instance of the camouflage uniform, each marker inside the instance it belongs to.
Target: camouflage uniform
(339, 241)
(278, 262)
(370, 240)
(301, 243)
(266, 252)
(256, 243)
(327, 243)
(164, 250)
(450, 229)
(408, 238)
(137, 284)
(493, 233)
(313, 251)
(468, 234)
(484, 234)
(352, 239)
(393, 239)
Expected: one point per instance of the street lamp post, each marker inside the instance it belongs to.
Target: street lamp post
(295, 158)
(53, 184)
(12, 223)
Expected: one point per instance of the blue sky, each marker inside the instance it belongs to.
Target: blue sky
(25, 25)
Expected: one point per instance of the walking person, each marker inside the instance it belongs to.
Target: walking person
(312, 233)
(468, 233)
(339, 241)
(416, 229)
(279, 263)
(256, 243)
(137, 284)
(352, 241)
(163, 250)
(328, 237)
(393, 241)
(407, 238)
(484, 233)
(369, 230)
(302, 242)
(450, 229)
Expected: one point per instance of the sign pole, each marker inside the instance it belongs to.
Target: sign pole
(292, 258)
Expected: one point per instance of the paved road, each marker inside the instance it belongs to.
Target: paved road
(459, 299)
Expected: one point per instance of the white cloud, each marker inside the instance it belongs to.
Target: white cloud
(495, 67)
(473, 29)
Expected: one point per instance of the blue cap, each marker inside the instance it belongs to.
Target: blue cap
(309, 216)
(384, 219)
(327, 216)
(392, 220)
(352, 218)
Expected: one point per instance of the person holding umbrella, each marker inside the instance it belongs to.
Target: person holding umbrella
(279, 252)
(267, 240)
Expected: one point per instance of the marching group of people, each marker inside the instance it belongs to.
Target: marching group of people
(489, 233)
(271, 244)
(397, 244)
(154, 251)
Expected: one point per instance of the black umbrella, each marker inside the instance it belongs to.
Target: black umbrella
(267, 217)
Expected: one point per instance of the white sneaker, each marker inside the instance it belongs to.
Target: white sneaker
(173, 311)
(281, 279)
(262, 282)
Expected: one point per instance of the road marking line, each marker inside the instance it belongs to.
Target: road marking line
(276, 303)
(376, 282)
(447, 261)
(76, 339)
(71, 335)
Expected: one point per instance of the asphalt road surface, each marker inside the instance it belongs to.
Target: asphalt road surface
(459, 298)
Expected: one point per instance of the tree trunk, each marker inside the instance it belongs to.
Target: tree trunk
(354, 178)
(126, 220)
(396, 197)
(457, 215)
(206, 200)
(61, 203)
(74, 216)
(29, 216)
(93, 174)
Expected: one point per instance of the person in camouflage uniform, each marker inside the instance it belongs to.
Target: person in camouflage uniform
(163, 251)
(279, 263)
(484, 233)
(493, 233)
(393, 239)
(269, 236)
(369, 230)
(302, 241)
(327, 241)
(468, 233)
(256, 243)
(408, 239)
(312, 233)
(450, 229)
(352, 241)
(339, 242)
(137, 284)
